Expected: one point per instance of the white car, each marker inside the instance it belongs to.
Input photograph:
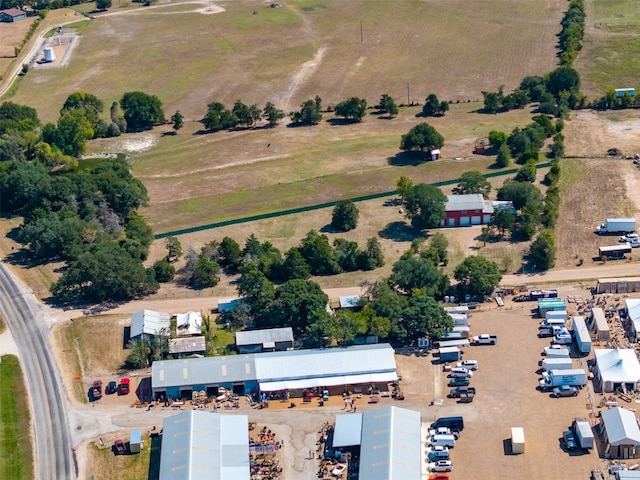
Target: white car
(630, 237)
(443, 431)
(441, 466)
(339, 470)
(437, 452)
(460, 372)
(468, 364)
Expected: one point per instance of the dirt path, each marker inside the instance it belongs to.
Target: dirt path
(301, 75)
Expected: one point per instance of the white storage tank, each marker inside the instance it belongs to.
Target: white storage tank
(49, 54)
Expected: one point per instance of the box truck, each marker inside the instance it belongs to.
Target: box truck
(450, 354)
(557, 378)
(556, 314)
(557, 363)
(617, 225)
(583, 432)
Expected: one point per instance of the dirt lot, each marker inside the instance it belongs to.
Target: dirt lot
(507, 396)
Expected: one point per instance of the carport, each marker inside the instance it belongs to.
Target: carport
(621, 432)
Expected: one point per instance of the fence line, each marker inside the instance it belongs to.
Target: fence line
(318, 206)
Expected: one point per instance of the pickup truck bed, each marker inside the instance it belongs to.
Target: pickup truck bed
(485, 339)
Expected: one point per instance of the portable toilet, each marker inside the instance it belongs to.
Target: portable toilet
(49, 54)
(517, 440)
(135, 442)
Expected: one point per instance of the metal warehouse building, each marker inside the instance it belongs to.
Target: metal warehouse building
(273, 371)
(199, 445)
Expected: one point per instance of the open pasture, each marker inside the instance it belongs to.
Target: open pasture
(288, 54)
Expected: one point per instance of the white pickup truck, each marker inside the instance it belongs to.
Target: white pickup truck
(485, 339)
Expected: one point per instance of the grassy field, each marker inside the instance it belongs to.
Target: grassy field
(107, 466)
(16, 455)
(609, 58)
(306, 48)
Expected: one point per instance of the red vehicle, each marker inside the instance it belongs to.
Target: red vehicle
(119, 445)
(124, 386)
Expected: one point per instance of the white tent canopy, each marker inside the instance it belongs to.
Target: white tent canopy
(328, 381)
(189, 323)
(621, 426)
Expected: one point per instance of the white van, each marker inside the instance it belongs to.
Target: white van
(460, 372)
(442, 441)
(550, 331)
(550, 322)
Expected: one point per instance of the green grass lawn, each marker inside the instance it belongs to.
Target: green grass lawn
(124, 467)
(16, 455)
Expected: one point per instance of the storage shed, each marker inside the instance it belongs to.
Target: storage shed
(228, 304)
(148, 323)
(600, 324)
(517, 440)
(618, 285)
(349, 301)
(10, 15)
(186, 346)
(135, 441)
(267, 340)
(620, 429)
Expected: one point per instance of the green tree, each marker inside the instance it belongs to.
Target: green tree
(433, 106)
(520, 194)
(403, 185)
(206, 273)
(257, 290)
(472, 182)
(372, 256)
(177, 120)
(164, 271)
(72, 133)
(491, 102)
(352, 109)
(310, 112)
(387, 105)
(218, 117)
(255, 113)
(318, 254)
(440, 244)
(344, 216)
(497, 139)
(424, 317)
(420, 138)
(103, 4)
(230, 254)
(90, 106)
(272, 114)
(242, 113)
(503, 159)
(295, 304)
(345, 325)
(141, 111)
(477, 276)
(503, 220)
(347, 254)
(527, 173)
(416, 272)
(563, 79)
(542, 254)
(425, 205)
(174, 248)
(294, 265)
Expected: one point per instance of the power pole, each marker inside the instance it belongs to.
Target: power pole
(361, 39)
(408, 101)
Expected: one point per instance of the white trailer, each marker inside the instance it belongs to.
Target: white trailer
(556, 314)
(583, 433)
(517, 440)
(557, 363)
(555, 352)
(581, 334)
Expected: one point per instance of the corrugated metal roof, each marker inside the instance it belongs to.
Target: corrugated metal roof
(348, 430)
(472, 201)
(390, 446)
(621, 426)
(276, 366)
(135, 437)
(187, 345)
(618, 365)
(199, 445)
(348, 301)
(256, 337)
(14, 12)
(149, 322)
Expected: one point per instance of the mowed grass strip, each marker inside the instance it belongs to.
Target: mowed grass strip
(16, 454)
(107, 466)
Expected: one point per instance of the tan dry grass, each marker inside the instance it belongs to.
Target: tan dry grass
(190, 59)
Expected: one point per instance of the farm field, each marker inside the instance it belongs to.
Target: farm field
(609, 57)
(306, 48)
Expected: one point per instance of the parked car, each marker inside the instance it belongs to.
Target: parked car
(459, 381)
(439, 476)
(460, 372)
(441, 466)
(565, 391)
(124, 386)
(468, 364)
(437, 452)
(112, 387)
(96, 389)
(630, 237)
(119, 446)
(443, 431)
(569, 440)
(338, 470)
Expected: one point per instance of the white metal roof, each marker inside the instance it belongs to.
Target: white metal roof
(633, 311)
(255, 337)
(621, 426)
(199, 445)
(189, 323)
(348, 430)
(149, 322)
(187, 344)
(329, 381)
(602, 327)
(618, 365)
(472, 201)
(390, 445)
(348, 301)
(316, 366)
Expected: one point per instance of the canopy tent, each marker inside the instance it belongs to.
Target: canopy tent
(622, 432)
(617, 367)
(328, 381)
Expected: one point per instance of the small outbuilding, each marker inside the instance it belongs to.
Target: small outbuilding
(617, 368)
(267, 340)
(148, 323)
(620, 429)
(618, 285)
(517, 440)
(11, 15)
(349, 301)
(135, 441)
(228, 304)
(187, 346)
(189, 323)
(600, 324)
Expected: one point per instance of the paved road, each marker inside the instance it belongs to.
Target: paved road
(53, 453)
